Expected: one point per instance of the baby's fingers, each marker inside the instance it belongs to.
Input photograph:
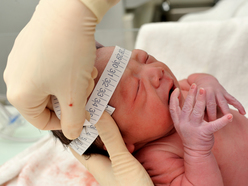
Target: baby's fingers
(175, 110)
(234, 102)
(199, 108)
(216, 125)
(223, 104)
(211, 106)
(189, 102)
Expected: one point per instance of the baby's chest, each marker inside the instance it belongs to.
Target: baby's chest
(231, 142)
(232, 159)
(162, 160)
(231, 152)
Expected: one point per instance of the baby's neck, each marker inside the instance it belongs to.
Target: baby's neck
(140, 145)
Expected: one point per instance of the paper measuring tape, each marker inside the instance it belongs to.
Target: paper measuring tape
(99, 98)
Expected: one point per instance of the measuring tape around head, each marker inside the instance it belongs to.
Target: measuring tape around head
(98, 101)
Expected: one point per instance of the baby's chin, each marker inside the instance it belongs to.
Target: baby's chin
(172, 131)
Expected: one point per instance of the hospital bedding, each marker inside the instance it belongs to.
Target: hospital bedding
(216, 47)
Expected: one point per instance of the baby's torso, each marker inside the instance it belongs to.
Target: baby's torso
(230, 150)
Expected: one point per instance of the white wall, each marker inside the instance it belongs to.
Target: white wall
(14, 14)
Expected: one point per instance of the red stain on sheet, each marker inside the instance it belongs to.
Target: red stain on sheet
(89, 179)
(72, 171)
(25, 179)
(75, 171)
(57, 170)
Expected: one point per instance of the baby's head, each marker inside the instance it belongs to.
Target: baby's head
(141, 99)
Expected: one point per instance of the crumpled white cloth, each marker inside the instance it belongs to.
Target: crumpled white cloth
(46, 163)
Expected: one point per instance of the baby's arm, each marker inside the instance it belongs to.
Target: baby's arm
(216, 95)
(197, 136)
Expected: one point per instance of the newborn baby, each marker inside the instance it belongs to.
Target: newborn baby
(142, 100)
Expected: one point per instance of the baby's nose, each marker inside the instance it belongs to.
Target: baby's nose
(155, 74)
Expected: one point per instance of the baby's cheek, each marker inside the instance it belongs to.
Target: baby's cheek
(163, 120)
(161, 113)
(121, 118)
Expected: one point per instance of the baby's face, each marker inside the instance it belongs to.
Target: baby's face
(141, 97)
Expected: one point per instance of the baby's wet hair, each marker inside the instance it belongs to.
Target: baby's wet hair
(95, 148)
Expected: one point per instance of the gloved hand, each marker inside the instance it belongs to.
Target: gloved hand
(216, 95)
(122, 168)
(54, 55)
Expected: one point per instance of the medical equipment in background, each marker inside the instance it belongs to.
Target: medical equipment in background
(140, 12)
(172, 10)
(10, 121)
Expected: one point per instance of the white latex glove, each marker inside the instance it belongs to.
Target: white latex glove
(122, 168)
(54, 55)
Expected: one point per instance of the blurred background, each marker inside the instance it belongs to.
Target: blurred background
(119, 27)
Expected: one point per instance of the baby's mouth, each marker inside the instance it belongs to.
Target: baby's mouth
(170, 92)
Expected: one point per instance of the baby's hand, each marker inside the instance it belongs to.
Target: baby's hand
(196, 134)
(216, 95)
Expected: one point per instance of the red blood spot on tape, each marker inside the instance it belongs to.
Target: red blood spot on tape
(71, 105)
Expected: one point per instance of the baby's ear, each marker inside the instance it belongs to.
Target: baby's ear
(104, 147)
(130, 148)
(98, 45)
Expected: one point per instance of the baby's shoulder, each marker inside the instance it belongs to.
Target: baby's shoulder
(162, 160)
